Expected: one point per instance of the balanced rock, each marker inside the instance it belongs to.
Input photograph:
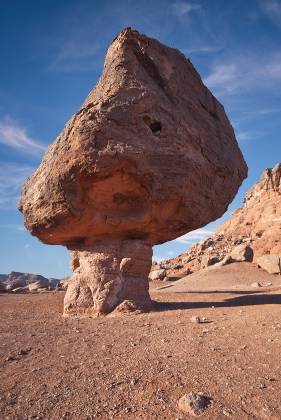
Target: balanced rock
(150, 156)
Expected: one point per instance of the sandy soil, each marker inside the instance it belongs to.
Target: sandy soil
(138, 366)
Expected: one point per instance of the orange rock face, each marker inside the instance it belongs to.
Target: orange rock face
(260, 217)
(256, 225)
(150, 156)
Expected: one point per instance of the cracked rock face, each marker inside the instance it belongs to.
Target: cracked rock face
(150, 156)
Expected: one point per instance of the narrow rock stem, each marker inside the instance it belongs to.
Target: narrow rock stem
(106, 274)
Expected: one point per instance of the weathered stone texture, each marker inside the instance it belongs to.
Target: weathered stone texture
(150, 156)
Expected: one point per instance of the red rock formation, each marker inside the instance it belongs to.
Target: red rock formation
(259, 220)
(256, 225)
(150, 156)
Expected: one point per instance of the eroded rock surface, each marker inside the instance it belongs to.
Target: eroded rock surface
(118, 271)
(150, 156)
(252, 233)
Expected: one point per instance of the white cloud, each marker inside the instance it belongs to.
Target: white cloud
(75, 55)
(267, 111)
(244, 136)
(195, 236)
(15, 136)
(224, 76)
(12, 177)
(203, 49)
(171, 253)
(245, 74)
(182, 8)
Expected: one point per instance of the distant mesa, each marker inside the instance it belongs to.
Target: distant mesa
(253, 233)
(17, 282)
(150, 156)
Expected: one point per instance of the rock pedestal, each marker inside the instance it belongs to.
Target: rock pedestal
(106, 274)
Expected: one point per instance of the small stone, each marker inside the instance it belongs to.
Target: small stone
(24, 352)
(195, 319)
(256, 284)
(194, 403)
(227, 412)
(10, 358)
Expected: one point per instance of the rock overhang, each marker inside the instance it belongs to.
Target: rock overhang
(151, 154)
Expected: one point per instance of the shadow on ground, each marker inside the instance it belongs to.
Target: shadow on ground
(245, 300)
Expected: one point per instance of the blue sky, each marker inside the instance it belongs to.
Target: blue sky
(52, 55)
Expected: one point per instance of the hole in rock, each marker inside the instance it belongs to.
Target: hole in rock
(155, 126)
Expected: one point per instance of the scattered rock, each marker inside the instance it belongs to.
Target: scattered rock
(63, 284)
(18, 289)
(270, 263)
(199, 320)
(242, 252)
(256, 284)
(195, 319)
(127, 307)
(207, 261)
(194, 403)
(157, 274)
(228, 412)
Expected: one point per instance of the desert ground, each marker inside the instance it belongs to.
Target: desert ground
(137, 366)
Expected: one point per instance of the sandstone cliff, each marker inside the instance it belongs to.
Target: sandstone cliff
(256, 225)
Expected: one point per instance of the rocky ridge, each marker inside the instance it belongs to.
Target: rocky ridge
(252, 233)
(18, 282)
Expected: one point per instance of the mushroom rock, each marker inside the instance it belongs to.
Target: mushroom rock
(150, 156)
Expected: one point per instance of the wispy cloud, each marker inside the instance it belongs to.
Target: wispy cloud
(203, 49)
(245, 75)
(225, 77)
(183, 8)
(76, 55)
(15, 136)
(12, 177)
(244, 136)
(195, 236)
(267, 111)
(272, 8)
(13, 226)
